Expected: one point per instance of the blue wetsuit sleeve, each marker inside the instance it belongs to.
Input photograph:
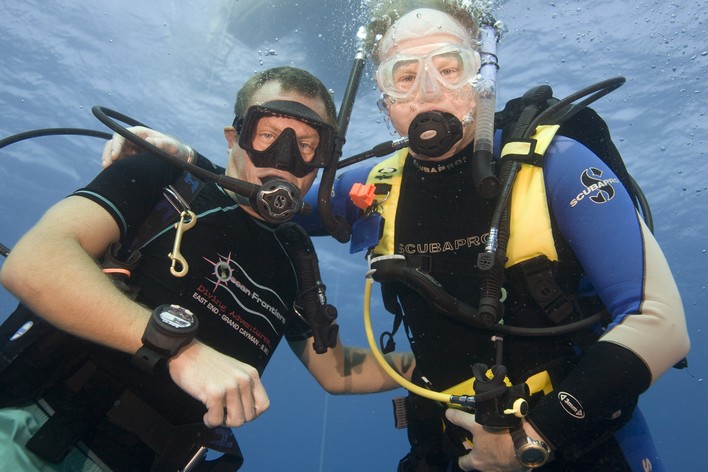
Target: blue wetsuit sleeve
(342, 205)
(625, 267)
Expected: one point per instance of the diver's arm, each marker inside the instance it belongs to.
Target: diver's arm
(626, 268)
(53, 270)
(620, 257)
(348, 369)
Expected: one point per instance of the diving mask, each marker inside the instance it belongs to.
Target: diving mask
(450, 66)
(269, 146)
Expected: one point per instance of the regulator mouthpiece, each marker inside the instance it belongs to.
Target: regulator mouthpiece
(277, 201)
(433, 133)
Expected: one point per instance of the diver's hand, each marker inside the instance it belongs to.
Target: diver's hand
(493, 450)
(118, 147)
(231, 390)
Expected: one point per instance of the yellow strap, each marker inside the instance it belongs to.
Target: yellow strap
(531, 233)
(388, 171)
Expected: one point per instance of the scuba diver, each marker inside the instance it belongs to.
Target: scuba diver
(151, 367)
(575, 245)
(530, 288)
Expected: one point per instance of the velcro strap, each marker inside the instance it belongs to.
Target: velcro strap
(400, 412)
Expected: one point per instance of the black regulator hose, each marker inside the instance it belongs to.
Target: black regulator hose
(16, 138)
(565, 108)
(395, 269)
(276, 201)
(52, 132)
(381, 149)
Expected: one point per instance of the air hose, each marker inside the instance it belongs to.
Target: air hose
(15, 138)
(276, 201)
(463, 400)
(393, 268)
(533, 114)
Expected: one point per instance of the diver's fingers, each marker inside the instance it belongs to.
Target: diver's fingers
(107, 155)
(116, 148)
(216, 411)
(246, 398)
(169, 145)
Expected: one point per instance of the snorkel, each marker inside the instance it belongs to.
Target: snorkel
(485, 182)
(337, 226)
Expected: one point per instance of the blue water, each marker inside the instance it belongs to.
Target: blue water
(176, 66)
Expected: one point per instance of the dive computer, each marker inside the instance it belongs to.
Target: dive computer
(530, 452)
(170, 328)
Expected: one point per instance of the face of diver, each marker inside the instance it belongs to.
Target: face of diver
(428, 65)
(267, 131)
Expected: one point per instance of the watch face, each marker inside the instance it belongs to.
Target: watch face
(177, 317)
(534, 456)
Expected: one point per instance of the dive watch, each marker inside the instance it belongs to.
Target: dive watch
(170, 328)
(530, 452)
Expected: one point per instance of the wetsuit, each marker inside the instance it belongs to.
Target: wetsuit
(606, 254)
(241, 285)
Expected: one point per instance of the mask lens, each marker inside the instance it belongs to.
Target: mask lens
(286, 135)
(304, 139)
(452, 65)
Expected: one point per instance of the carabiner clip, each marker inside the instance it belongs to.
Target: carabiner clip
(187, 219)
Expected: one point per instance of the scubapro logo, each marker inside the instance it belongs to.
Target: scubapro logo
(646, 465)
(597, 189)
(571, 405)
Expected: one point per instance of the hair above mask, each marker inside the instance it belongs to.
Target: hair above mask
(385, 14)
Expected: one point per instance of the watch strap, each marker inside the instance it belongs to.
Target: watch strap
(159, 343)
(149, 359)
(524, 444)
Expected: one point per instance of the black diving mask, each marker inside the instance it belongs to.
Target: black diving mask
(269, 145)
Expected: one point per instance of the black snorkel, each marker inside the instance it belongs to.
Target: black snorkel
(337, 226)
(276, 201)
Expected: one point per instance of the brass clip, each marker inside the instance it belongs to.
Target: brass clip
(187, 219)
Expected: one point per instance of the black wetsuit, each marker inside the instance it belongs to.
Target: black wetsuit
(442, 229)
(241, 284)
(604, 253)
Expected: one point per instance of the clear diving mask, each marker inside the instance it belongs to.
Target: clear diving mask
(270, 146)
(450, 66)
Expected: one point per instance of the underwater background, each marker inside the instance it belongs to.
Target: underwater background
(176, 65)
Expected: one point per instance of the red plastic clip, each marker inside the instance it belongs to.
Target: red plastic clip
(362, 195)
